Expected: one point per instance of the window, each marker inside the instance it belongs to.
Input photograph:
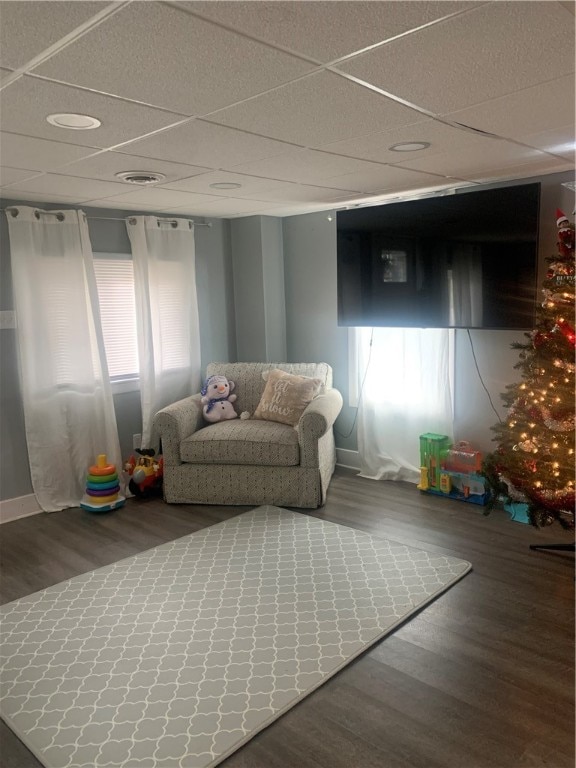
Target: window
(115, 281)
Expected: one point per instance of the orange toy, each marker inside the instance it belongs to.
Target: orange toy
(101, 468)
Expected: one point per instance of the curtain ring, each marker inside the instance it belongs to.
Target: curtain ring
(13, 212)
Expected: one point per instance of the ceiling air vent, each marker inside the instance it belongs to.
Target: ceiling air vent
(142, 178)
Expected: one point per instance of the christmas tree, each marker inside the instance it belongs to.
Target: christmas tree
(534, 461)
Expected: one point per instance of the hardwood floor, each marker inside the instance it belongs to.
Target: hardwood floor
(481, 678)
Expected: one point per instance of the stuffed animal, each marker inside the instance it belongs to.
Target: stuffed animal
(217, 399)
(221, 410)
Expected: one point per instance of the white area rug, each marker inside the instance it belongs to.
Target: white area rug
(177, 656)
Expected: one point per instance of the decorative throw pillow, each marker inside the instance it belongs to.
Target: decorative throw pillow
(286, 396)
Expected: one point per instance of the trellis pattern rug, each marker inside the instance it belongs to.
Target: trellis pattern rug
(177, 656)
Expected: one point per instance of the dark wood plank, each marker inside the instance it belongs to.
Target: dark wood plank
(483, 677)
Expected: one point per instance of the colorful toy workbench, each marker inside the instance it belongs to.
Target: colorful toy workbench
(451, 470)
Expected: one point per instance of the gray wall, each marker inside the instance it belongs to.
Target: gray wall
(274, 288)
(248, 289)
(313, 333)
(217, 333)
(258, 266)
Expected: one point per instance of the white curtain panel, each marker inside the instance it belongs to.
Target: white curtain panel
(465, 285)
(405, 389)
(68, 406)
(166, 314)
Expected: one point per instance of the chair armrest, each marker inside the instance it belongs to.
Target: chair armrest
(315, 422)
(176, 422)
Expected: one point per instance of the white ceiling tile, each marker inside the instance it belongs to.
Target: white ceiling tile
(112, 204)
(487, 52)
(38, 154)
(376, 146)
(200, 143)
(305, 166)
(537, 167)
(558, 141)
(316, 110)
(8, 193)
(383, 178)
(303, 193)
(197, 209)
(227, 207)
(201, 184)
(187, 65)
(71, 186)
(294, 210)
(105, 165)
(515, 115)
(471, 163)
(13, 175)
(161, 198)
(4, 73)
(28, 28)
(324, 30)
(26, 103)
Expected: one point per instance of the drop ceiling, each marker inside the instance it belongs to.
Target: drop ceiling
(296, 102)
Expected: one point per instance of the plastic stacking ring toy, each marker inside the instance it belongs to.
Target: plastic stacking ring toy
(105, 492)
(104, 487)
(97, 508)
(104, 499)
(107, 469)
(102, 478)
(101, 468)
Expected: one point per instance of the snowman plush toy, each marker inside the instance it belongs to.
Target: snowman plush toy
(217, 399)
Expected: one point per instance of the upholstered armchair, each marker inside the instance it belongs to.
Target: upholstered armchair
(250, 461)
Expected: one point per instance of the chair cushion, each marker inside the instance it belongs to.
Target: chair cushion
(286, 396)
(264, 443)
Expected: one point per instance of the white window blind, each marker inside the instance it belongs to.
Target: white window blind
(115, 281)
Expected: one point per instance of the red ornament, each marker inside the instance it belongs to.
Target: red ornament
(567, 331)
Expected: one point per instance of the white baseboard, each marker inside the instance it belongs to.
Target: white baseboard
(347, 458)
(22, 506)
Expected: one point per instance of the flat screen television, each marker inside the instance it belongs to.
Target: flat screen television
(466, 260)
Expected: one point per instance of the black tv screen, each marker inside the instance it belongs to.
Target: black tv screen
(466, 260)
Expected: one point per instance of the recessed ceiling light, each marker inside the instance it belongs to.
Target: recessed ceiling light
(225, 185)
(142, 178)
(409, 146)
(74, 122)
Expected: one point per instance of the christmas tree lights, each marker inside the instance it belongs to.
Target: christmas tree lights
(534, 460)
